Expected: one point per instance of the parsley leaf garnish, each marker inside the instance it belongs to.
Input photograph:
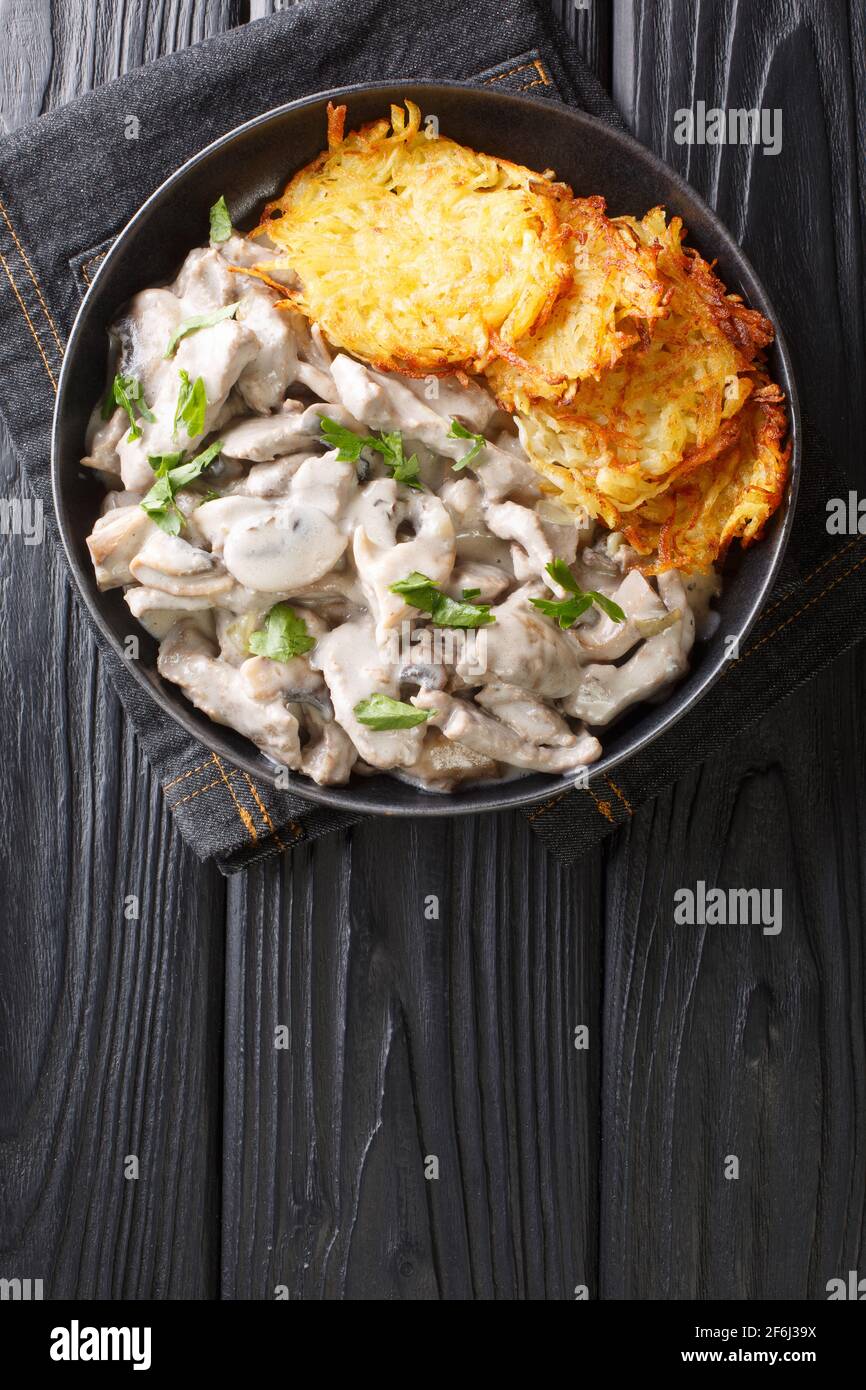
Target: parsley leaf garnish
(126, 391)
(421, 592)
(171, 475)
(389, 444)
(382, 712)
(345, 441)
(192, 325)
(191, 405)
(403, 470)
(220, 221)
(283, 636)
(458, 431)
(567, 611)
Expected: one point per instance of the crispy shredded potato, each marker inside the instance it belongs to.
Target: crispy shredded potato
(691, 526)
(612, 302)
(415, 253)
(668, 415)
(635, 378)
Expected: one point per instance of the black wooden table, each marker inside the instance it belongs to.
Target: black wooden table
(286, 1052)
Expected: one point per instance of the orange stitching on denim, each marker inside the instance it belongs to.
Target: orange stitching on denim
(603, 807)
(245, 818)
(837, 555)
(540, 810)
(542, 72)
(23, 254)
(501, 76)
(623, 798)
(539, 82)
(183, 776)
(91, 260)
(23, 308)
(173, 805)
(800, 611)
(265, 817)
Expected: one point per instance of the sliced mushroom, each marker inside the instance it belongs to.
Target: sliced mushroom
(115, 541)
(214, 520)
(172, 565)
(158, 612)
(285, 551)
(430, 552)
(607, 640)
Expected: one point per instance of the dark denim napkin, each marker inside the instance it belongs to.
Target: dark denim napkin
(79, 161)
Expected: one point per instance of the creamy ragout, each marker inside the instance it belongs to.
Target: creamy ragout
(364, 573)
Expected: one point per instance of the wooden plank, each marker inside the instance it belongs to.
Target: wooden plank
(722, 1040)
(109, 1025)
(409, 1036)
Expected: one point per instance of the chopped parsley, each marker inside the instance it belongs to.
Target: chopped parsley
(458, 431)
(421, 592)
(382, 712)
(389, 444)
(220, 221)
(171, 475)
(567, 611)
(126, 391)
(191, 405)
(192, 325)
(283, 636)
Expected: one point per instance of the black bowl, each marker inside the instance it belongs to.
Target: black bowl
(250, 165)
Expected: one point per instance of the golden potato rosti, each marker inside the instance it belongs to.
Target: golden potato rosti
(691, 526)
(625, 436)
(612, 302)
(413, 252)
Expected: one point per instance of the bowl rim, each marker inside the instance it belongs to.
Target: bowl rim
(497, 796)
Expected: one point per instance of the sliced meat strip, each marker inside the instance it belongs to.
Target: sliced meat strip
(263, 439)
(188, 659)
(329, 755)
(465, 724)
(349, 660)
(526, 649)
(533, 720)
(605, 692)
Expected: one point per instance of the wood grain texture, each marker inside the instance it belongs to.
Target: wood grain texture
(407, 1037)
(721, 1040)
(109, 1028)
(589, 24)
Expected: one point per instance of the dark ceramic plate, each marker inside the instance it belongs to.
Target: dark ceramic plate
(250, 165)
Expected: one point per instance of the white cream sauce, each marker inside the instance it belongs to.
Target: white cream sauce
(291, 523)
